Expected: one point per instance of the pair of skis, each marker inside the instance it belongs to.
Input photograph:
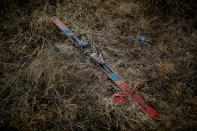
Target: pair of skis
(111, 73)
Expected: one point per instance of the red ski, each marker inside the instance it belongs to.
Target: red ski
(114, 76)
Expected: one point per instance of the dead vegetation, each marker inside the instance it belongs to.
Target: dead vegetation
(48, 84)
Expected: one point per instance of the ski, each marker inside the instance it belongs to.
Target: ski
(132, 95)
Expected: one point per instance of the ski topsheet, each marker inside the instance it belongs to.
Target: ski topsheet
(112, 74)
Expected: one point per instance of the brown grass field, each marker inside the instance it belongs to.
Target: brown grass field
(47, 83)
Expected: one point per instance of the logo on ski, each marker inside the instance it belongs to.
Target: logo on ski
(115, 77)
(68, 32)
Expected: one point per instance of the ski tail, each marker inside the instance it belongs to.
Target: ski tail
(62, 26)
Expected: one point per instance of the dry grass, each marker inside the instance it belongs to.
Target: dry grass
(48, 84)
